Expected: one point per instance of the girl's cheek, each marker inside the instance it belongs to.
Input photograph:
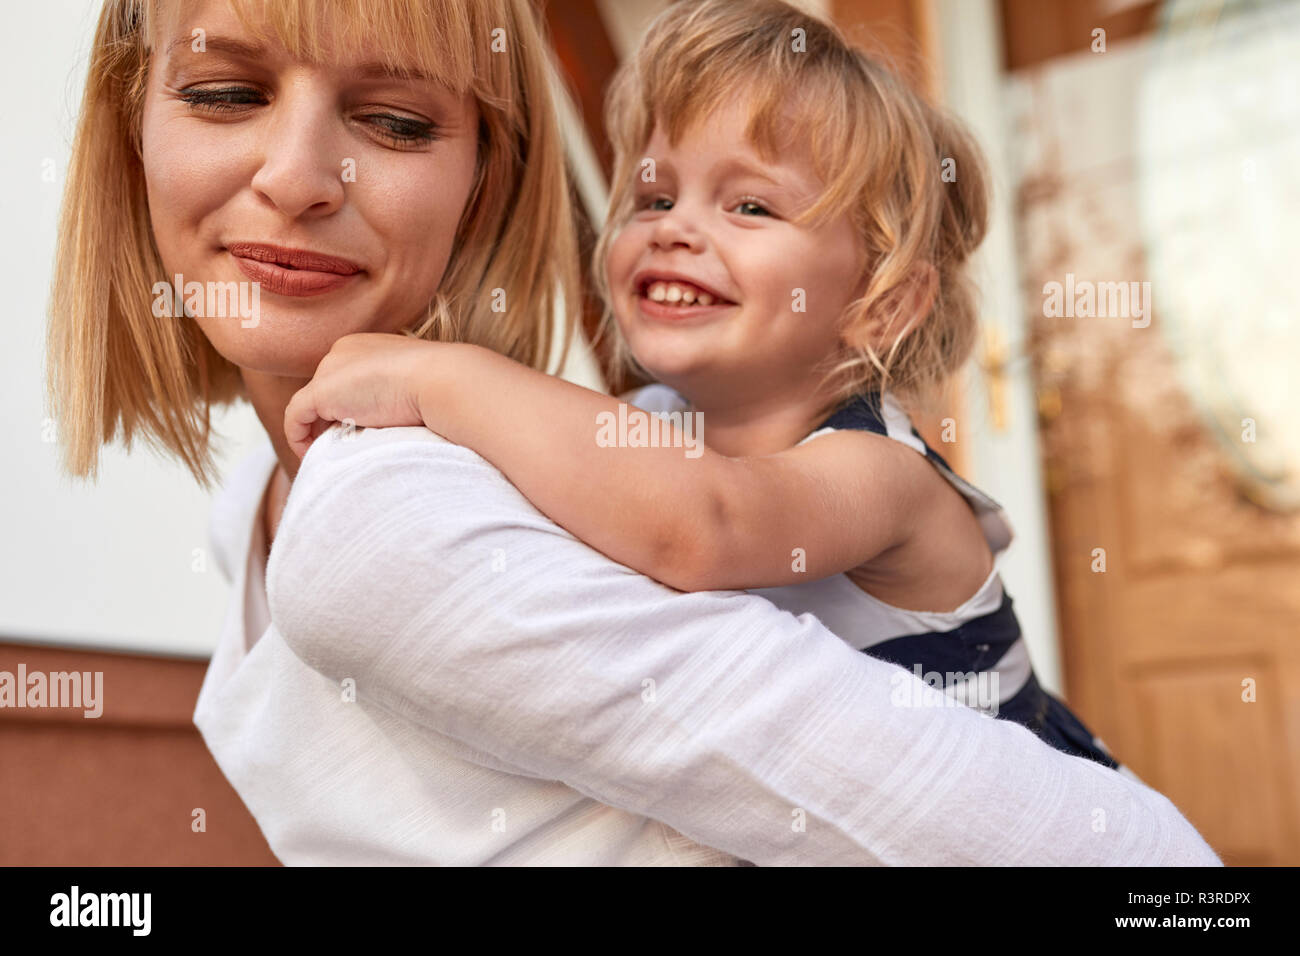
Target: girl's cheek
(622, 254)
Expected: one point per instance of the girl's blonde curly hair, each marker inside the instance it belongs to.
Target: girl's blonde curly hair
(910, 176)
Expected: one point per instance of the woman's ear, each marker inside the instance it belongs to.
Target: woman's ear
(898, 313)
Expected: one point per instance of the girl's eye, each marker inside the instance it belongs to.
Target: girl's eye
(750, 203)
(651, 203)
(223, 99)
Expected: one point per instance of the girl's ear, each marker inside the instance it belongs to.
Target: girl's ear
(898, 313)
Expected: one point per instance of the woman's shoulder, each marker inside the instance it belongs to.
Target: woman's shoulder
(366, 508)
(370, 472)
(341, 441)
(344, 447)
(344, 457)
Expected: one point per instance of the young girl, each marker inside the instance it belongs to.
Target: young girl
(784, 255)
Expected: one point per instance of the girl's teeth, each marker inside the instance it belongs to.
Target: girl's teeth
(674, 293)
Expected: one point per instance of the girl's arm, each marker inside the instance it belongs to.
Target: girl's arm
(680, 513)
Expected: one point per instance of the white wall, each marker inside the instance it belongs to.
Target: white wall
(106, 565)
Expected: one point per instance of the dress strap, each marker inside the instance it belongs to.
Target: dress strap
(881, 414)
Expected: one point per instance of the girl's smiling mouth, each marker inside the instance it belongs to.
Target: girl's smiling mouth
(668, 295)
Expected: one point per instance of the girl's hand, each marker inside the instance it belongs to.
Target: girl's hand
(369, 379)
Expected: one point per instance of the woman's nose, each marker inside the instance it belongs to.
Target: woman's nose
(300, 173)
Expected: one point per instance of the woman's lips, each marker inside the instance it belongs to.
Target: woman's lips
(297, 272)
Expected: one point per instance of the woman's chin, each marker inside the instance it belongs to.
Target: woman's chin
(273, 354)
(277, 344)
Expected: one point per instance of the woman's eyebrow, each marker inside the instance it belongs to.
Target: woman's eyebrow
(247, 51)
(373, 70)
(384, 71)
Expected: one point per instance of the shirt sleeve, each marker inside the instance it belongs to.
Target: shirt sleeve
(413, 566)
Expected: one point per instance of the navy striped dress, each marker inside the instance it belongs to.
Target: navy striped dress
(976, 654)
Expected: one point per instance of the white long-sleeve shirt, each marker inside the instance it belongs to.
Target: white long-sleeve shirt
(520, 698)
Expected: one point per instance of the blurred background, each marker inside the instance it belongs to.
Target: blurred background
(1147, 152)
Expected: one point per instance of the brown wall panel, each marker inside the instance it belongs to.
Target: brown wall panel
(119, 789)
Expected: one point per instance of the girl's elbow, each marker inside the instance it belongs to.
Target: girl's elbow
(695, 560)
(684, 571)
(691, 543)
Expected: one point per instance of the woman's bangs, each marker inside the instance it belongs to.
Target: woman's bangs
(437, 39)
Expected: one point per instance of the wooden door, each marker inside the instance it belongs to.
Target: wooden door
(1182, 653)
(1179, 595)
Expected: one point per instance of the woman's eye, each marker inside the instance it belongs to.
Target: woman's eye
(223, 99)
(399, 131)
(402, 130)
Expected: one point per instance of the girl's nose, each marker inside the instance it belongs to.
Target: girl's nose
(300, 173)
(676, 229)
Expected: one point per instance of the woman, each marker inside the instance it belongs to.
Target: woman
(385, 689)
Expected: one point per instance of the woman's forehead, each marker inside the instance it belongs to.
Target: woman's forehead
(322, 32)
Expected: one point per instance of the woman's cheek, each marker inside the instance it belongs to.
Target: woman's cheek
(188, 170)
(418, 220)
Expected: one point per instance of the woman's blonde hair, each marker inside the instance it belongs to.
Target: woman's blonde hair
(113, 366)
(911, 178)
